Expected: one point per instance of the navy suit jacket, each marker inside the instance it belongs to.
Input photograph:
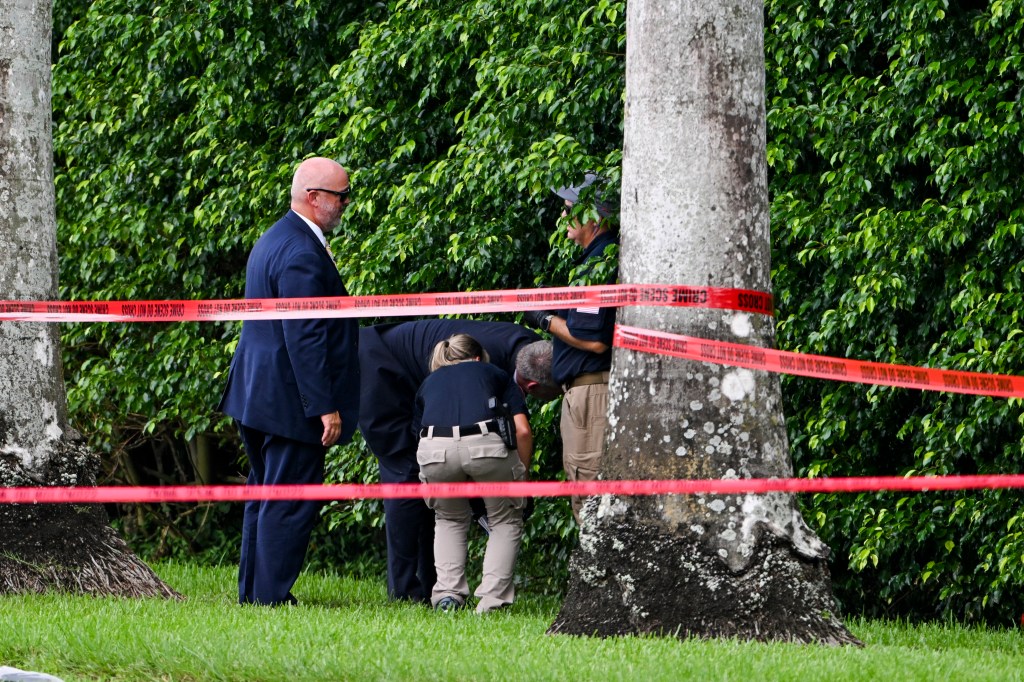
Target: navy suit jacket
(395, 360)
(287, 373)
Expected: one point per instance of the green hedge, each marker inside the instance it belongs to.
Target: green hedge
(894, 137)
(894, 151)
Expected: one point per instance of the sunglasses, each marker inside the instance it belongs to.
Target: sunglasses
(342, 195)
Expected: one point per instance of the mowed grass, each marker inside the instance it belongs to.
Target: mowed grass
(345, 629)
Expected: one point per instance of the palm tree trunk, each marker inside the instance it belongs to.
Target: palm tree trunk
(42, 547)
(695, 211)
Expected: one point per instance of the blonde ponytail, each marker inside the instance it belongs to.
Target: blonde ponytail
(455, 349)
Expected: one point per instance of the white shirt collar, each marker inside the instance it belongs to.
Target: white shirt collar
(316, 229)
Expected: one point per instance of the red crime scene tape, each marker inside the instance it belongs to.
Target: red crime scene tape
(612, 295)
(727, 486)
(818, 366)
(632, 338)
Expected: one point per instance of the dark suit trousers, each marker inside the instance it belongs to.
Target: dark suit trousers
(275, 534)
(409, 529)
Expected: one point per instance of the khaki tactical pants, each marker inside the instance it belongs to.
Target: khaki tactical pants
(584, 417)
(473, 458)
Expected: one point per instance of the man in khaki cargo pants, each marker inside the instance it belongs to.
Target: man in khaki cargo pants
(583, 342)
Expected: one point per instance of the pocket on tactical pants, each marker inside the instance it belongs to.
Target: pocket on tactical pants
(488, 451)
(584, 473)
(518, 474)
(431, 459)
(586, 410)
(430, 454)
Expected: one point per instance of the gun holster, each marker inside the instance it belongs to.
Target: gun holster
(505, 421)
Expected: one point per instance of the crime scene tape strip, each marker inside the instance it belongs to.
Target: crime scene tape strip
(611, 295)
(504, 301)
(727, 486)
(818, 366)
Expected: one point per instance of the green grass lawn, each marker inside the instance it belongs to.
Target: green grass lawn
(346, 630)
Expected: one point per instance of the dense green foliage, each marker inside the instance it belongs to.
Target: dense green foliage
(898, 217)
(894, 144)
(176, 134)
(345, 629)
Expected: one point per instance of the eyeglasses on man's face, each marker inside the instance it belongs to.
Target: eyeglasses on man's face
(342, 195)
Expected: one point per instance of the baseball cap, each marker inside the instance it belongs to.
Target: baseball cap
(572, 193)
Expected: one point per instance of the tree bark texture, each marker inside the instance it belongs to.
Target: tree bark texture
(34, 404)
(695, 211)
(68, 547)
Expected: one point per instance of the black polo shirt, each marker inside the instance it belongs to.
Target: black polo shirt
(458, 395)
(395, 359)
(586, 324)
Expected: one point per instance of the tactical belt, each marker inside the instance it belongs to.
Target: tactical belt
(489, 426)
(588, 379)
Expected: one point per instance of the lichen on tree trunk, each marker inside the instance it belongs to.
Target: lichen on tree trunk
(631, 576)
(695, 212)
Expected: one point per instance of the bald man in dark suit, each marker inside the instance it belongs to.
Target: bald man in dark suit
(293, 387)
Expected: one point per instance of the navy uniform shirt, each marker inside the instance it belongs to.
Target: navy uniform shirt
(458, 395)
(395, 359)
(586, 324)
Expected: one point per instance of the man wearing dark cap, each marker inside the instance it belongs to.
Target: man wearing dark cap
(395, 359)
(582, 353)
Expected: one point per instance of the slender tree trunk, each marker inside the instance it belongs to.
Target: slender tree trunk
(695, 211)
(46, 546)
